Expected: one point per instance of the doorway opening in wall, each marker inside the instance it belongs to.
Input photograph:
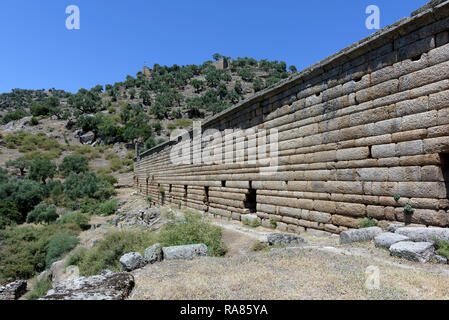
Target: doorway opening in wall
(251, 199)
(146, 188)
(223, 183)
(185, 192)
(444, 159)
(206, 198)
(169, 188)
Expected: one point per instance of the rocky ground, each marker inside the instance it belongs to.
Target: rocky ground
(319, 268)
(322, 268)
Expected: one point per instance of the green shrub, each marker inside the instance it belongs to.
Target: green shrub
(409, 209)
(43, 213)
(25, 248)
(75, 218)
(39, 290)
(9, 215)
(74, 163)
(107, 208)
(115, 164)
(273, 223)
(368, 223)
(34, 121)
(190, 230)
(41, 169)
(81, 185)
(183, 123)
(108, 251)
(76, 256)
(442, 247)
(25, 194)
(259, 246)
(59, 245)
(252, 223)
(89, 151)
(396, 197)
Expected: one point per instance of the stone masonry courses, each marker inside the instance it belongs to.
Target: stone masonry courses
(363, 133)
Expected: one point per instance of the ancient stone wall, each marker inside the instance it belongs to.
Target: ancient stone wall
(354, 130)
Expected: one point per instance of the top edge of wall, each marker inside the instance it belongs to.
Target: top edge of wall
(430, 12)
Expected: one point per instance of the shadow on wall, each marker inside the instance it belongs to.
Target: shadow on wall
(444, 158)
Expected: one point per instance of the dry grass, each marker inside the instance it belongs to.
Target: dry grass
(284, 274)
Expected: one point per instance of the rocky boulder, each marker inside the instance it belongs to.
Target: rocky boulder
(154, 253)
(274, 239)
(359, 235)
(44, 275)
(132, 261)
(413, 251)
(87, 138)
(13, 291)
(421, 234)
(106, 286)
(186, 252)
(387, 239)
(440, 259)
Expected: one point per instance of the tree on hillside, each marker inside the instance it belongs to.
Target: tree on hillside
(25, 194)
(42, 213)
(217, 56)
(85, 101)
(145, 96)
(292, 69)
(20, 163)
(41, 169)
(9, 214)
(74, 163)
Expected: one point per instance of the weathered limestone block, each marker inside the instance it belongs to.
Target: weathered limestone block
(274, 239)
(424, 234)
(413, 251)
(132, 261)
(186, 252)
(154, 253)
(387, 239)
(359, 235)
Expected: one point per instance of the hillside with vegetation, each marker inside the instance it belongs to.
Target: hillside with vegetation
(62, 154)
(147, 107)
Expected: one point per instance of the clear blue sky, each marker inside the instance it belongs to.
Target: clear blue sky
(116, 37)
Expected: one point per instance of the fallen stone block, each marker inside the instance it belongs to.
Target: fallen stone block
(274, 239)
(420, 234)
(132, 261)
(387, 239)
(186, 252)
(359, 235)
(413, 251)
(154, 253)
(392, 227)
(106, 286)
(13, 291)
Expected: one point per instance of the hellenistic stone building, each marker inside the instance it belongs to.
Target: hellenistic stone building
(363, 133)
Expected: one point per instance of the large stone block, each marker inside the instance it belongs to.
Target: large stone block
(359, 235)
(413, 251)
(387, 239)
(424, 234)
(186, 252)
